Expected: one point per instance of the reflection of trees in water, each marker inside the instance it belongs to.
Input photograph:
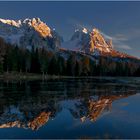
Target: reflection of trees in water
(30, 104)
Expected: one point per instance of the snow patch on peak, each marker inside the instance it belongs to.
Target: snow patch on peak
(76, 30)
(85, 30)
(82, 30)
(11, 22)
(95, 30)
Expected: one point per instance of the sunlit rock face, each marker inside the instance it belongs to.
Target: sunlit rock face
(29, 33)
(99, 43)
(41, 27)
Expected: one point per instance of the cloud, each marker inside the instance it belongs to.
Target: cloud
(106, 36)
(123, 46)
(132, 33)
(118, 41)
(120, 37)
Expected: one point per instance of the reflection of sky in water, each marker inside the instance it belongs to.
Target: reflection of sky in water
(121, 121)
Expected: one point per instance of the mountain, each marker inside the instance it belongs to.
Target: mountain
(92, 42)
(89, 41)
(29, 33)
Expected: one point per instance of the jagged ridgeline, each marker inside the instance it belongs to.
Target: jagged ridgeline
(31, 46)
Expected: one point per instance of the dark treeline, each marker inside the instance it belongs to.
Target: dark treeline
(39, 60)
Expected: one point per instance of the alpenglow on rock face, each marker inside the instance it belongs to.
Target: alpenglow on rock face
(98, 42)
(29, 33)
(87, 41)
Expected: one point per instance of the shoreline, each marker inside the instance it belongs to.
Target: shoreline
(33, 76)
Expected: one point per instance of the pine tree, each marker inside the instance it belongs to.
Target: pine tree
(71, 63)
(43, 60)
(53, 66)
(85, 66)
(2, 54)
(92, 68)
(35, 65)
(61, 65)
(78, 68)
(27, 61)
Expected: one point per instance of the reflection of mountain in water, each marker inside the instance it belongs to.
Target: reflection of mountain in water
(31, 104)
(95, 107)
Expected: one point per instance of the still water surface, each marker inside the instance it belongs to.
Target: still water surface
(70, 108)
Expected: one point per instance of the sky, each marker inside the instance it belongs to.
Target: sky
(117, 20)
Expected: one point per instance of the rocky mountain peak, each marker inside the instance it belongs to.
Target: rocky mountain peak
(96, 31)
(89, 41)
(80, 34)
(35, 23)
(41, 27)
(98, 42)
(28, 33)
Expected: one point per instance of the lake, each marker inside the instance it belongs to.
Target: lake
(70, 108)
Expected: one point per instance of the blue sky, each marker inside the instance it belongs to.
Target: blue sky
(118, 20)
